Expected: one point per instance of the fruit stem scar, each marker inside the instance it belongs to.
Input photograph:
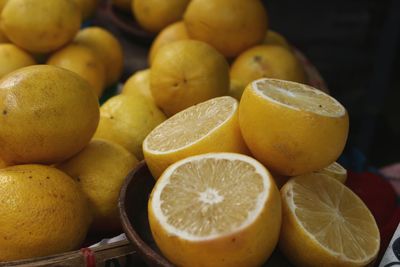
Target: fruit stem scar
(5, 112)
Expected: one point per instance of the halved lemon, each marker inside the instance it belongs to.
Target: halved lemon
(211, 126)
(335, 170)
(290, 127)
(325, 224)
(216, 209)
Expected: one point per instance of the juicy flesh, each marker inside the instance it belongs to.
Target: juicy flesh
(211, 197)
(191, 124)
(336, 168)
(300, 97)
(335, 217)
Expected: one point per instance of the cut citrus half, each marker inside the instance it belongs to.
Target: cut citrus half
(216, 209)
(335, 170)
(325, 224)
(211, 126)
(290, 127)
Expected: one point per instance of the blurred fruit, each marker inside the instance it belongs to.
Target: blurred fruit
(185, 73)
(174, 32)
(47, 114)
(155, 15)
(297, 129)
(3, 164)
(2, 4)
(274, 38)
(322, 215)
(12, 58)
(88, 7)
(138, 85)
(267, 61)
(82, 61)
(335, 170)
(231, 26)
(217, 209)
(43, 212)
(3, 38)
(236, 89)
(127, 120)
(125, 5)
(211, 126)
(106, 47)
(100, 170)
(40, 26)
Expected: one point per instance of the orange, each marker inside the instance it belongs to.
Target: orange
(12, 58)
(231, 26)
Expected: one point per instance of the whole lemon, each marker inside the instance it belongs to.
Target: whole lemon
(82, 61)
(185, 73)
(43, 212)
(155, 15)
(138, 84)
(267, 61)
(47, 114)
(106, 47)
(231, 26)
(174, 32)
(40, 26)
(12, 58)
(2, 4)
(274, 38)
(127, 120)
(100, 170)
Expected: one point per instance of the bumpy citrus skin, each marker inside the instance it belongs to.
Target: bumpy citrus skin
(83, 62)
(138, 85)
(43, 212)
(40, 26)
(274, 38)
(106, 47)
(288, 141)
(251, 246)
(47, 114)
(12, 58)
(174, 32)
(231, 26)
(100, 170)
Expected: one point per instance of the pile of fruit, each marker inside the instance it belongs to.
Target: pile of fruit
(222, 117)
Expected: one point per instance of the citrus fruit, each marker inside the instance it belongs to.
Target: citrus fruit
(185, 73)
(297, 129)
(47, 114)
(43, 212)
(127, 120)
(138, 85)
(40, 26)
(12, 58)
(267, 61)
(124, 5)
(325, 224)
(100, 170)
(87, 7)
(211, 126)
(216, 209)
(2, 4)
(335, 170)
(106, 47)
(3, 164)
(82, 61)
(174, 32)
(155, 15)
(231, 26)
(274, 38)
(236, 89)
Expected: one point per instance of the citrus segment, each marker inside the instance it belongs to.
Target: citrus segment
(211, 126)
(213, 200)
(335, 170)
(322, 215)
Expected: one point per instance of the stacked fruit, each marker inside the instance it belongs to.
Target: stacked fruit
(57, 182)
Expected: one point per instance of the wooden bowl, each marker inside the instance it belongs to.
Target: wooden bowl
(133, 213)
(127, 23)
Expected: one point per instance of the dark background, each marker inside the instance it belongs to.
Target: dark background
(355, 46)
